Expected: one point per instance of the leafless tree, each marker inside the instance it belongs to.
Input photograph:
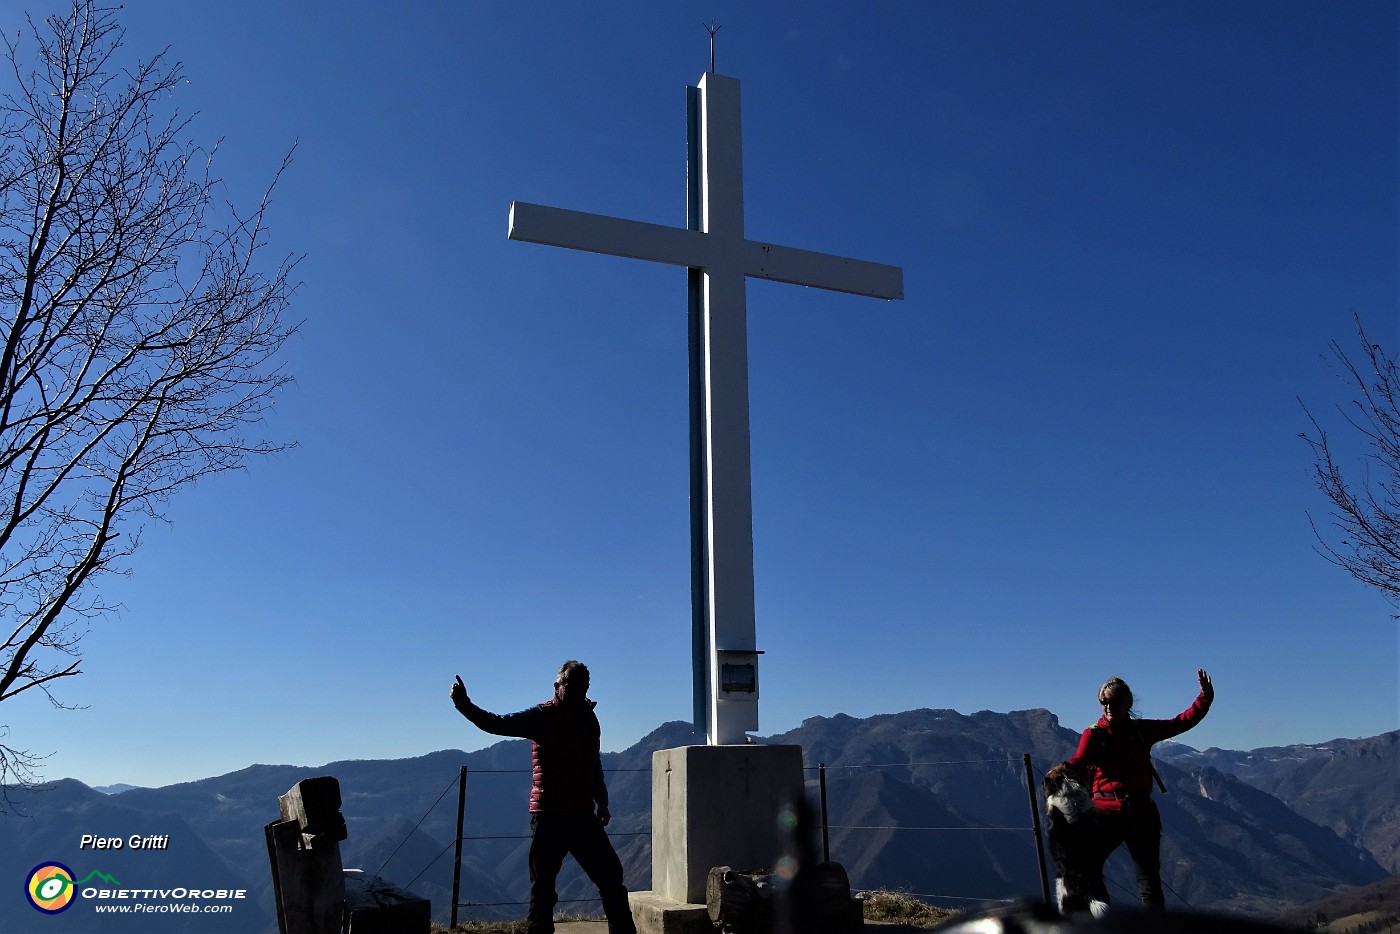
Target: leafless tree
(1363, 531)
(138, 331)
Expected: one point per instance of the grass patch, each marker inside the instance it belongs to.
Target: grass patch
(481, 927)
(903, 908)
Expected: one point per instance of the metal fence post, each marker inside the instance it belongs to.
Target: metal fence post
(457, 863)
(821, 783)
(1035, 824)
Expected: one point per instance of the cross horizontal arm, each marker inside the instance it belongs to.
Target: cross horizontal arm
(824, 271)
(676, 246)
(597, 233)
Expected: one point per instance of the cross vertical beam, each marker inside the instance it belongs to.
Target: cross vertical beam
(699, 501)
(724, 366)
(714, 249)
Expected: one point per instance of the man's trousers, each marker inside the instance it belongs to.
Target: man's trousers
(583, 836)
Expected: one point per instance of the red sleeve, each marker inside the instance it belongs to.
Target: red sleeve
(1083, 758)
(1158, 730)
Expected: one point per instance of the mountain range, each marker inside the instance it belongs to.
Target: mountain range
(931, 802)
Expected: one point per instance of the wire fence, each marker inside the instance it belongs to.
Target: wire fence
(854, 837)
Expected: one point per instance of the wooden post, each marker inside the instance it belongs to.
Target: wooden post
(304, 848)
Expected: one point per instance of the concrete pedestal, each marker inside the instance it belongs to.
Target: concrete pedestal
(712, 806)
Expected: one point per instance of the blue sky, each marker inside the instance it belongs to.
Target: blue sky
(1128, 233)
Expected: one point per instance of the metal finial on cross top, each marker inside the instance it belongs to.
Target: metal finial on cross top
(712, 27)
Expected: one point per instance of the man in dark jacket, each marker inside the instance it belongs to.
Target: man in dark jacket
(568, 781)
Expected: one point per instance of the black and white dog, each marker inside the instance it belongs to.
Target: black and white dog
(1077, 840)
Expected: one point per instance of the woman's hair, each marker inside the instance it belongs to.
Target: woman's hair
(1115, 690)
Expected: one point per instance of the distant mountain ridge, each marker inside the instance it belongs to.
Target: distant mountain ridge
(930, 801)
(1348, 785)
(1227, 845)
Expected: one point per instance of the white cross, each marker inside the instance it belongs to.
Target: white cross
(722, 255)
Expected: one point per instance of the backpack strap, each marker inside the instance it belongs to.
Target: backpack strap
(1151, 767)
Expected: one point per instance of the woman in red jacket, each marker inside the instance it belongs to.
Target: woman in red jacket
(1114, 760)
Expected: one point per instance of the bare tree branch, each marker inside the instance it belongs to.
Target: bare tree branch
(139, 332)
(1362, 531)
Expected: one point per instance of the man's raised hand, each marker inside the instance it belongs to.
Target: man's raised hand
(459, 693)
